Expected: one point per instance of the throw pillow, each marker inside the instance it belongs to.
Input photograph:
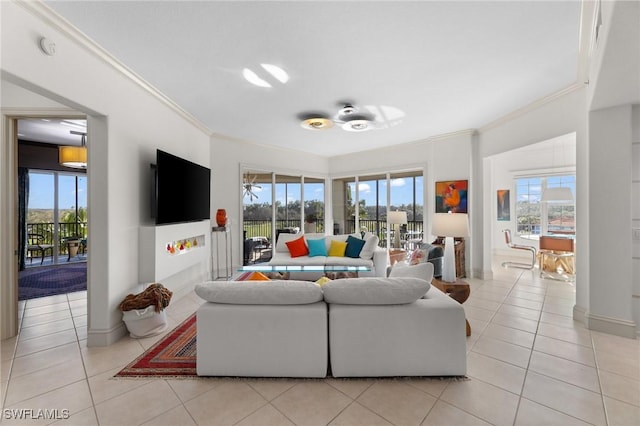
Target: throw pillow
(370, 244)
(354, 247)
(419, 255)
(297, 247)
(317, 247)
(257, 276)
(337, 248)
(322, 281)
(283, 239)
(422, 270)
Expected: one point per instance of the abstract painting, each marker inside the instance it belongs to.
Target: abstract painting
(504, 212)
(451, 196)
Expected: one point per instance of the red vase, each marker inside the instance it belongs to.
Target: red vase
(221, 217)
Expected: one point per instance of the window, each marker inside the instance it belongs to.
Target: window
(313, 193)
(57, 207)
(273, 203)
(361, 202)
(288, 192)
(535, 217)
(561, 214)
(528, 202)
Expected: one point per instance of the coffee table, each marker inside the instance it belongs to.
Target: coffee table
(458, 291)
(285, 271)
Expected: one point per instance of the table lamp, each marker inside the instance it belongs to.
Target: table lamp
(449, 225)
(397, 218)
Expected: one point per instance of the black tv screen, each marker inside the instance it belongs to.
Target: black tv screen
(182, 190)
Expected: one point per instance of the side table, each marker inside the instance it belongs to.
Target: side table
(458, 291)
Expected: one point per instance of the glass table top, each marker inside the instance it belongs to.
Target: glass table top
(307, 268)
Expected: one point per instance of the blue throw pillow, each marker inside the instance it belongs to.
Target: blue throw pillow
(317, 247)
(354, 246)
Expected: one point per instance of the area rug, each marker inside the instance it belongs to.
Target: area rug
(51, 280)
(174, 356)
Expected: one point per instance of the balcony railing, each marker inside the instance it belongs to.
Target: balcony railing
(262, 228)
(66, 230)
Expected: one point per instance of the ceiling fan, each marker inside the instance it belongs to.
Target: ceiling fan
(353, 118)
(349, 117)
(248, 186)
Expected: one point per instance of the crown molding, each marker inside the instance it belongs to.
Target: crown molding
(45, 13)
(532, 106)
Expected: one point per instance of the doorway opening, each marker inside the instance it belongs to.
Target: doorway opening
(52, 209)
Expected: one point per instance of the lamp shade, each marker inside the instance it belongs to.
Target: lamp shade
(73, 156)
(450, 225)
(557, 194)
(397, 218)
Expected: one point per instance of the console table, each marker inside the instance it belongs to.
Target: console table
(228, 252)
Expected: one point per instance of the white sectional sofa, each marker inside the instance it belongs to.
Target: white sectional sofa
(262, 329)
(371, 255)
(355, 327)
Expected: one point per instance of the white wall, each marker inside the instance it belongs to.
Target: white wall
(635, 213)
(613, 101)
(126, 125)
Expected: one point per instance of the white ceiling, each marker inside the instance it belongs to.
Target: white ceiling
(51, 130)
(445, 66)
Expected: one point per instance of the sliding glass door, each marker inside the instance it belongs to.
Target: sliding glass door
(274, 203)
(57, 214)
(362, 203)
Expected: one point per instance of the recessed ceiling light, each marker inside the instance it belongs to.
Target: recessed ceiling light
(317, 123)
(277, 72)
(253, 78)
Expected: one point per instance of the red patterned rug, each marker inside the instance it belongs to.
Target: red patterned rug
(173, 356)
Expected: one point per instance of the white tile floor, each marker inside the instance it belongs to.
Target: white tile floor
(529, 363)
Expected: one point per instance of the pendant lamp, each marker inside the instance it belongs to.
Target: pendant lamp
(74, 156)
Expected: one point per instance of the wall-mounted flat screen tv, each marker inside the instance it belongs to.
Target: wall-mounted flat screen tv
(181, 190)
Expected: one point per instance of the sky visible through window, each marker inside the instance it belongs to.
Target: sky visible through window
(402, 192)
(41, 191)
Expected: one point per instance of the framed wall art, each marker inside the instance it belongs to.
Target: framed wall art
(504, 203)
(451, 196)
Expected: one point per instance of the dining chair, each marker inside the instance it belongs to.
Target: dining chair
(511, 244)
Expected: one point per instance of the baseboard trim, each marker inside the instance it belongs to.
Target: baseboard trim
(579, 314)
(616, 326)
(482, 274)
(106, 337)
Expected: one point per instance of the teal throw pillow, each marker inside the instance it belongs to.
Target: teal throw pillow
(354, 246)
(317, 247)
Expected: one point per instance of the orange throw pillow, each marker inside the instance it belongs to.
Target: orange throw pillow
(298, 247)
(258, 276)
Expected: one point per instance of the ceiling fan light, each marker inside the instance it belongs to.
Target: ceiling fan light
(357, 125)
(317, 123)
